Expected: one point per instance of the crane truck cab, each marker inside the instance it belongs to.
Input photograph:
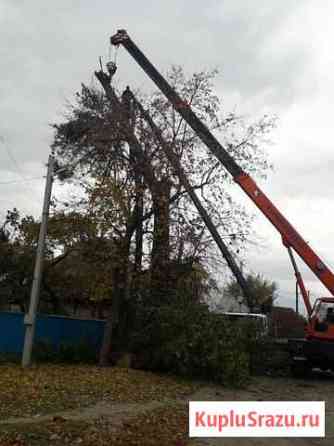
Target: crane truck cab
(321, 325)
(316, 350)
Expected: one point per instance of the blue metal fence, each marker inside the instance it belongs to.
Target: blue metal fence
(55, 330)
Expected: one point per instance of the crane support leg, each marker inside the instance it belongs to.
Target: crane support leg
(299, 280)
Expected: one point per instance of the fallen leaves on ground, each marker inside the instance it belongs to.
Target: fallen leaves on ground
(52, 388)
(166, 426)
(44, 433)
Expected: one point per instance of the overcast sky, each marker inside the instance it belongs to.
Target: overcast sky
(273, 56)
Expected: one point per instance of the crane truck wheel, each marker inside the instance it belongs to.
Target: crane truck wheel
(300, 365)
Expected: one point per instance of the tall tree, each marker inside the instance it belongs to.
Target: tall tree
(263, 290)
(128, 184)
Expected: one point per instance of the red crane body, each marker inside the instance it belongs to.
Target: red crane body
(290, 237)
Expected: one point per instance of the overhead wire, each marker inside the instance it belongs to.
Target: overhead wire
(18, 169)
(27, 180)
(13, 160)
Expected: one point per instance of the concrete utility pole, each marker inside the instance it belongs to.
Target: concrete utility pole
(30, 317)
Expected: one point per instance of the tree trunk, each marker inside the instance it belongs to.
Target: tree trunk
(139, 228)
(120, 291)
(160, 247)
(106, 343)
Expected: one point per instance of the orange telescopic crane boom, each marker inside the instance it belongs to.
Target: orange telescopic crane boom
(290, 237)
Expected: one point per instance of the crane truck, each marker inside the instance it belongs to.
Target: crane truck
(316, 349)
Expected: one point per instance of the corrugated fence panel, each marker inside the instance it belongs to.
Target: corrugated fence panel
(55, 330)
(11, 332)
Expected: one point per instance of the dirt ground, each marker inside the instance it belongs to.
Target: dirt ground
(319, 387)
(116, 416)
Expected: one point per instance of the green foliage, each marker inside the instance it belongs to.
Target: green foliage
(67, 352)
(10, 358)
(262, 290)
(17, 252)
(270, 359)
(187, 339)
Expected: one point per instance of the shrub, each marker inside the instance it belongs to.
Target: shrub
(185, 338)
(66, 352)
(10, 358)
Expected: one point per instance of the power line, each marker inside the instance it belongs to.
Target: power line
(13, 160)
(27, 180)
(16, 166)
